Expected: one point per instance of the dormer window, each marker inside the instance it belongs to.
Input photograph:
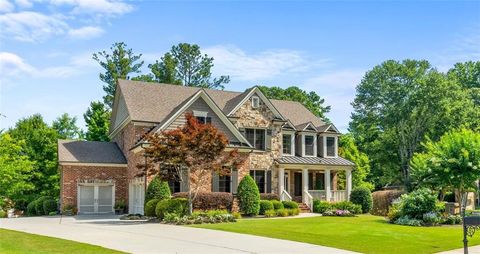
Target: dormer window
(255, 102)
(329, 146)
(202, 117)
(309, 145)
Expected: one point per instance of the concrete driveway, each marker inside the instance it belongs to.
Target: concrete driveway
(137, 237)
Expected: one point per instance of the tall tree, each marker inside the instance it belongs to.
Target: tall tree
(41, 147)
(468, 76)
(185, 65)
(118, 64)
(97, 119)
(396, 106)
(348, 150)
(66, 127)
(311, 100)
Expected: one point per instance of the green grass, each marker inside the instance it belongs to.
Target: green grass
(366, 233)
(19, 242)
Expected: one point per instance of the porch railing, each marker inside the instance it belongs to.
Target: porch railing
(308, 199)
(284, 196)
(335, 196)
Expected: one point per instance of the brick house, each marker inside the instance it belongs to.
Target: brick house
(287, 149)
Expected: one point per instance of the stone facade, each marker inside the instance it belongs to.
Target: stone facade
(71, 175)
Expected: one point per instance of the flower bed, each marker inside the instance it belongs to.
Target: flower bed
(212, 216)
(342, 209)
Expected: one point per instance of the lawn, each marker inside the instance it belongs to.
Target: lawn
(365, 233)
(19, 242)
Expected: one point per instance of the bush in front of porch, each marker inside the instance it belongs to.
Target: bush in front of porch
(248, 196)
(344, 208)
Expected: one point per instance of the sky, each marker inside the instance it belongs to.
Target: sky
(46, 46)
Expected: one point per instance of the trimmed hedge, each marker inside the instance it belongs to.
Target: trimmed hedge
(209, 200)
(157, 190)
(177, 206)
(290, 204)
(39, 205)
(362, 196)
(49, 206)
(31, 209)
(265, 205)
(382, 200)
(321, 206)
(269, 196)
(150, 207)
(248, 196)
(277, 204)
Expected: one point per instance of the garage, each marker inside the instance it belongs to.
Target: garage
(96, 198)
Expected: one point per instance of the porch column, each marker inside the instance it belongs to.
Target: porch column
(281, 182)
(304, 183)
(328, 191)
(348, 176)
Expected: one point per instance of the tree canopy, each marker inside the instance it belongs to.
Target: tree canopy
(97, 118)
(348, 150)
(66, 127)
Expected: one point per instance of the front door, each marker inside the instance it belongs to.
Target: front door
(95, 199)
(297, 184)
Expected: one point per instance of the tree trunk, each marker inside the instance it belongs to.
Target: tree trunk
(463, 207)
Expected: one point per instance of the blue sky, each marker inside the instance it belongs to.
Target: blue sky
(326, 47)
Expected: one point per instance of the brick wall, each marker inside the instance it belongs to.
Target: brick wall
(72, 174)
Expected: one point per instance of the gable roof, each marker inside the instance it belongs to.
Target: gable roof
(247, 94)
(298, 114)
(80, 151)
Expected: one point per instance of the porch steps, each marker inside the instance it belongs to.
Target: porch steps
(303, 208)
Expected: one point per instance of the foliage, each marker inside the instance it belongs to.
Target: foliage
(431, 219)
(417, 203)
(49, 205)
(282, 212)
(157, 189)
(248, 196)
(452, 219)
(311, 100)
(38, 204)
(97, 119)
(349, 150)
(290, 204)
(348, 206)
(177, 206)
(468, 76)
(118, 64)
(3, 214)
(407, 221)
(269, 196)
(277, 204)
(264, 206)
(382, 200)
(362, 196)
(150, 207)
(185, 65)
(66, 127)
(394, 212)
(209, 200)
(15, 168)
(236, 215)
(31, 209)
(120, 205)
(321, 206)
(399, 103)
(271, 213)
(213, 216)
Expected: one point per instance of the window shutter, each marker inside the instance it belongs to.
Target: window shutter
(268, 140)
(215, 182)
(269, 181)
(234, 179)
(185, 180)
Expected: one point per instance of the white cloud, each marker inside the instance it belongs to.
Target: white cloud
(267, 64)
(96, 7)
(12, 65)
(24, 3)
(465, 47)
(86, 32)
(6, 6)
(31, 26)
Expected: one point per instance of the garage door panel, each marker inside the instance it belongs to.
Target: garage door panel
(87, 199)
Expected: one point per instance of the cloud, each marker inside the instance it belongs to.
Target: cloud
(6, 6)
(86, 32)
(24, 3)
(96, 7)
(464, 47)
(267, 64)
(31, 26)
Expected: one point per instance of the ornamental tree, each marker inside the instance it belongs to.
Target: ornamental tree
(194, 148)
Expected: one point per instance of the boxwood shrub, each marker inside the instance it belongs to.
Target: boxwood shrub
(150, 207)
(157, 189)
(277, 204)
(177, 206)
(31, 209)
(362, 196)
(248, 196)
(321, 206)
(290, 204)
(39, 205)
(49, 206)
(265, 205)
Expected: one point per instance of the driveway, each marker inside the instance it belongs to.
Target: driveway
(137, 237)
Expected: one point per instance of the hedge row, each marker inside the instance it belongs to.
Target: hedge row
(209, 200)
(382, 200)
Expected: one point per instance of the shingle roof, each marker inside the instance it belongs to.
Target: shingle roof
(298, 114)
(338, 161)
(79, 151)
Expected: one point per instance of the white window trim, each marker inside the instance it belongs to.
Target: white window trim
(325, 145)
(255, 98)
(314, 145)
(197, 113)
(292, 143)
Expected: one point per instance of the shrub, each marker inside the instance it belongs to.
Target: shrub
(52, 213)
(157, 190)
(31, 209)
(417, 203)
(21, 204)
(452, 219)
(177, 206)
(440, 207)
(292, 212)
(394, 213)
(39, 205)
(431, 219)
(277, 204)
(209, 200)
(3, 214)
(265, 205)
(282, 212)
(290, 204)
(343, 213)
(321, 206)
(49, 205)
(407, 221)
(348, 206)
(269, 196)
(214, 216)
(362, 196)
(236, 215)
(150, 207)
(248, 196)
(382, 200)
(270, 213)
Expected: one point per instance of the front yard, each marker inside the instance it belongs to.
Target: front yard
(365, 233)
(18, 242)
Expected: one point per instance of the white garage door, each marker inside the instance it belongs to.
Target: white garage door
(137, 198)
(95, 198)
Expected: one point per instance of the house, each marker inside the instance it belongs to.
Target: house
(287, 149)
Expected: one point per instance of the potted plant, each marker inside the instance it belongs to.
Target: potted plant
(69, 210)
(119, 207)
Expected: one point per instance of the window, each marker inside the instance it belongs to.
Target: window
(287, 143)
(204, 119)
(309, 145)
(174, 186)
(256, 137)
(331, 146)
(263, 179)
(255, 102)
(224, 183)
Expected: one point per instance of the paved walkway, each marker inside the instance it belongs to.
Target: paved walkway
(135, 237)
(471, 250)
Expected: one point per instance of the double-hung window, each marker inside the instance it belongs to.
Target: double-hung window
(287, 144)
(204, 119)
(224, 183)
(256, 137)
(263, 179)
(309, 145)
(331, 146)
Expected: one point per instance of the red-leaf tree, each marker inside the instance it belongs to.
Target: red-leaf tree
(197, 148)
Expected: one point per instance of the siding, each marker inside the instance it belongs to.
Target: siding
(121, 113)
